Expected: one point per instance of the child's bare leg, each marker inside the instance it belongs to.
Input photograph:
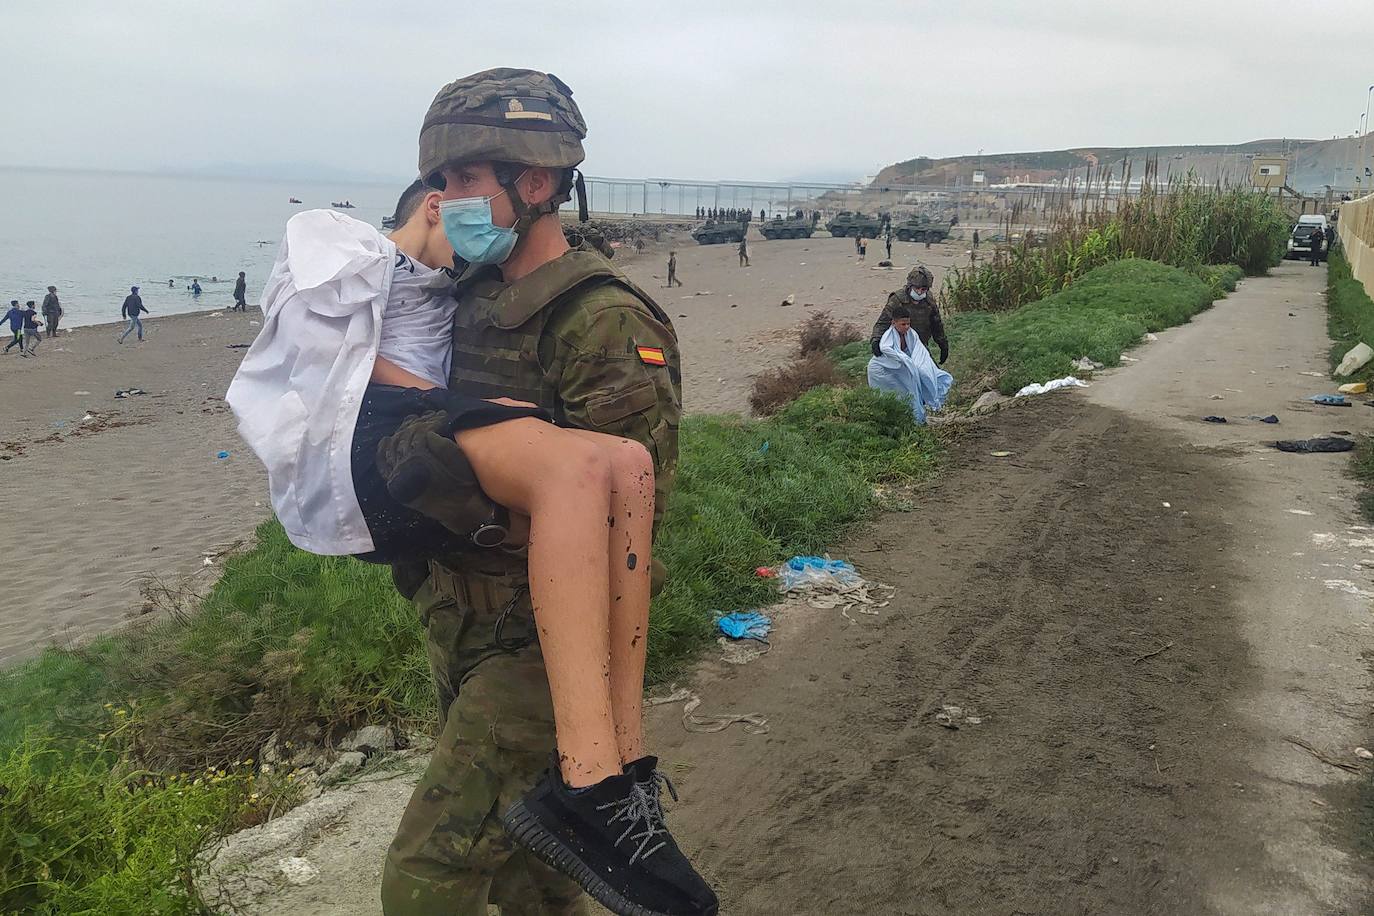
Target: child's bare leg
(631, 536)
(563, 484)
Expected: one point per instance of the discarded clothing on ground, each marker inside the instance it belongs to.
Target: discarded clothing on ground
(1272, 418)
(1213, 419)
(1329, 400)
(1067, 381)
(1320, 444)
(912, 374)
(745, 625)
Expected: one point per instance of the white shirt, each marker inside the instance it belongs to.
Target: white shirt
(417, 325)
(297, 392)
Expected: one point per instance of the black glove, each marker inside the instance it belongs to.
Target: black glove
(427, 471)
(875, 346)
(944, 351)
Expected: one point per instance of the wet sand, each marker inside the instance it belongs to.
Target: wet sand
(106, 495)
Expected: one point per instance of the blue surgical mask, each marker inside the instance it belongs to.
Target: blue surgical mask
(916, 294)
(474, 237)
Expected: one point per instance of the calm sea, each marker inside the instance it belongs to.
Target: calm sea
(95, 234)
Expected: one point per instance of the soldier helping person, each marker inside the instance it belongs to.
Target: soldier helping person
(918, 299)
(560, 328)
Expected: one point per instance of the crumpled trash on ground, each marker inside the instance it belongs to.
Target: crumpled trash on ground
(1213, 419)
(952, 717)
(827, 584)
(1087, 365)
(129, 392)
(1329, 400)
(1354, 388)
(1272, 418)
(1311, 446)
(745, 625)
(752, 723)
(1067, 381)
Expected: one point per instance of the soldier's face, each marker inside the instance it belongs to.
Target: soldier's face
(478, 179)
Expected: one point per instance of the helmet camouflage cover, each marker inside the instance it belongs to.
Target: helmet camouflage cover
(920, 277)
(502, 115)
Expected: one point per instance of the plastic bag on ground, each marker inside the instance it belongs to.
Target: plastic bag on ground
(1067, 381)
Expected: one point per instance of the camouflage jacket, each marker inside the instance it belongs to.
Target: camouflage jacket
(925, 319)
(578, 338)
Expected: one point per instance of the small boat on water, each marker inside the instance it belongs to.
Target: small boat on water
(346, 205)
(293, 200)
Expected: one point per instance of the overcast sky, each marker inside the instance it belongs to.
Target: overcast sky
(763, 89)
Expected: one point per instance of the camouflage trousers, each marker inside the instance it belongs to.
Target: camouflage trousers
(450, 855)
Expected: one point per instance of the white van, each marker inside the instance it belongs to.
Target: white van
(1299, 245)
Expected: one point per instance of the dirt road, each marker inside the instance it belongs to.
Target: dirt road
(1139, 608)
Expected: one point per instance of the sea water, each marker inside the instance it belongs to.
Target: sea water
(95, 234)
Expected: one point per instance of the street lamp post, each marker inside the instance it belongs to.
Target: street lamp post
(1364, 129)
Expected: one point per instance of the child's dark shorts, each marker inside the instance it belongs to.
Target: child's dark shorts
(398, 531)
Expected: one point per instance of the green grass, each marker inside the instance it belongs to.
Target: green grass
(1102, 314)
(1349, 314)
(310, 647)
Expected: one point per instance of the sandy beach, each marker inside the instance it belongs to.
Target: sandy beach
(107, 495)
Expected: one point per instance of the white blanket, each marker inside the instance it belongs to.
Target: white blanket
(912, 374)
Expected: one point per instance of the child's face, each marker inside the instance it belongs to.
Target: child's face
(902, 325)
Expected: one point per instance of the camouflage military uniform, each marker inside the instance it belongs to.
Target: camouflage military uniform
(925, 315)
(578, 338)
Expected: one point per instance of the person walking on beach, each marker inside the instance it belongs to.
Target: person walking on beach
(15, 316)
(240, 292)
(131, 309)
(888, 239)
(32, 329)
(672, 270)
(863, 248)
(743, 252)
(52, 311)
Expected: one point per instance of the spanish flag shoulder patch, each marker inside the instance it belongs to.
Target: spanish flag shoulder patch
(652, 356)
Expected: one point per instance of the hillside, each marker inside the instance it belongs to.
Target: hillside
(1314, 164)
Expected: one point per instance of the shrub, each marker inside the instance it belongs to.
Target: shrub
(775, 388)
(821, 333)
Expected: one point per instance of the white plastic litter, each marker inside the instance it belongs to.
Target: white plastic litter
(752, 723)
(1354, 358)
(1067, 381)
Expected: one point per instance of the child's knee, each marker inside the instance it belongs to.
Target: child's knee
(631, 461)
(582, 464)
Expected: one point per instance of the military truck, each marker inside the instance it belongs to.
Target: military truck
(714, 233)
(852, 225)
(795, 227)
(920, 229)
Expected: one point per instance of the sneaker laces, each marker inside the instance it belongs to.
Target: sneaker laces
(653, 791)
(643, 821)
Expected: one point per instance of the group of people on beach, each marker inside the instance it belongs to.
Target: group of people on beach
(26, 328)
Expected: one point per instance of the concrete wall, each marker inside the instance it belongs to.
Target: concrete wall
(1356, 228)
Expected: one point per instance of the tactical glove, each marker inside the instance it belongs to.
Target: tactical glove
(426, 470)
(876, 347)
(944, 351)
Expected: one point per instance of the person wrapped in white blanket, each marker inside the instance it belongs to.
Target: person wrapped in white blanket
(904, 366)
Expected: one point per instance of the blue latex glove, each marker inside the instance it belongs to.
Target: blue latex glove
(745, 625)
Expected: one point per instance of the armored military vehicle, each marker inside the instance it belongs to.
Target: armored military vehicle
(920, 229)
(714, 233)
(795, 227)
(852, 225)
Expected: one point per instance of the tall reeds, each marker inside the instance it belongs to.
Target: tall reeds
(1180, 221)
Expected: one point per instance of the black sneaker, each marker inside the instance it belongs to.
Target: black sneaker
(611, 840)
(651, 782)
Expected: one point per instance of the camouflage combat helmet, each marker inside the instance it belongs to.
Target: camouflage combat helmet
(920, 277)
(504, 115)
